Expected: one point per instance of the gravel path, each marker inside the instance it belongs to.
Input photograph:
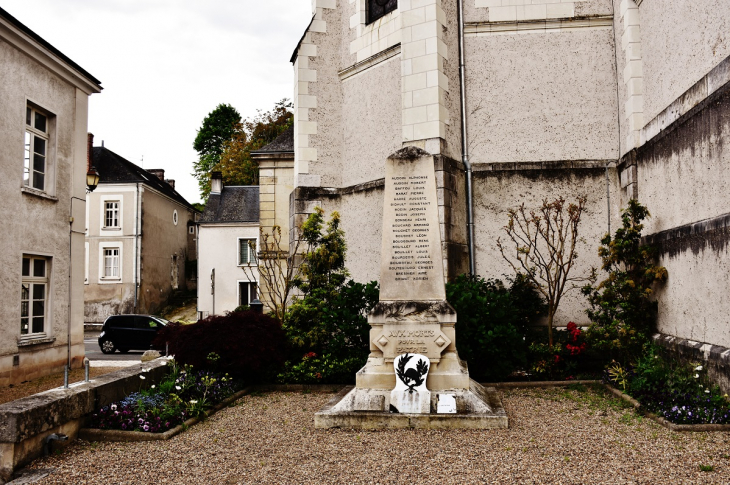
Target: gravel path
(555, 436)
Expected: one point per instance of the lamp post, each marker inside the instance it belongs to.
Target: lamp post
(92, 181)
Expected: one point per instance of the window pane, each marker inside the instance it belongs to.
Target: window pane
(252, 295)
(25, 291)
(26, 266)
(39, 145)
(39, 162)
(39, 292)
(40, 121)
(243, 256)
(26, 162)
(24, 326)
(39, 267)
(39, 308)
(37, 324)
(38, 180)
(24, 308)
(27, 116)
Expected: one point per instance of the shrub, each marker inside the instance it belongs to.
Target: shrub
(622, 311)
(491, 323)
(680, 392)
(248, 345)
(329, 319)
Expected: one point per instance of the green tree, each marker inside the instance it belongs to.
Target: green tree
(236, 164)
(623, 312)
(218, 128)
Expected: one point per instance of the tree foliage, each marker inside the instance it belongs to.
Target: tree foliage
(236, 164)
(546, 241)
(623, 313)
(218, 127)
(329, 317)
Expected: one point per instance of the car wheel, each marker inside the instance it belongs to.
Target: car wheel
(107, 347)
(123, 351)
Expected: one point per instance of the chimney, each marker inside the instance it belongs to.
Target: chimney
(89, 147)
(157, 172)
(216, 182)
(171, 183)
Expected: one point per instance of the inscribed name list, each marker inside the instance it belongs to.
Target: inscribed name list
(411, 265)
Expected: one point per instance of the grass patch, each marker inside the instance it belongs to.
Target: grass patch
(707, 468)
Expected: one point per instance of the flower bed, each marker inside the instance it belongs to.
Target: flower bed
(677, 392)
(181, 395)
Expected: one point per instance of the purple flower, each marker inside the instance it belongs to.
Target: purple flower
(146, 428)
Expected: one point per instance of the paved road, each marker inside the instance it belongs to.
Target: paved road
(93, 352)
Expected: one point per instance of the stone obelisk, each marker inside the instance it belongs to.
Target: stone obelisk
(412, 316)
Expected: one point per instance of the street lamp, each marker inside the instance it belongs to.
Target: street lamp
(92, 179)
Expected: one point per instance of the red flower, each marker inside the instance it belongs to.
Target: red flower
(318, 375)
(574, 331)
(310, 355)
(557, 358)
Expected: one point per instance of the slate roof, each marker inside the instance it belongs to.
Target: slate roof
(233, 204)
(283, 143)
(114, 169)
(44, 43)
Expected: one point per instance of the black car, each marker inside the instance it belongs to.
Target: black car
(129, 332)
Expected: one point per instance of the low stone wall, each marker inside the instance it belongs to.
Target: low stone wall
(25, 423)
(714, 357)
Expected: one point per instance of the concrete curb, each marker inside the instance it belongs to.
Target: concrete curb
(92, 434)
(517, 385)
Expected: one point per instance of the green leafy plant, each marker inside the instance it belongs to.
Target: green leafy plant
(619, 376)
(492, 322)
(328, 319)
(622, 311)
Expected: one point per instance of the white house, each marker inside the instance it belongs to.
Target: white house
(228, 235)
(44, 99)
(140, 238)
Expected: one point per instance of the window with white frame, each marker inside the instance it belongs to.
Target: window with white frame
(246, 292)
(246, 251)
(111, 214)
(35, 164)
(34, 295)
(111, 263)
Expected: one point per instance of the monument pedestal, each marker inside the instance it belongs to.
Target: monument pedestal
(413, 317)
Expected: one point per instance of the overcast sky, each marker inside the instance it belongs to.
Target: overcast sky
(165, 64)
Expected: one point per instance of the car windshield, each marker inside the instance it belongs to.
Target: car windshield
(161, 320)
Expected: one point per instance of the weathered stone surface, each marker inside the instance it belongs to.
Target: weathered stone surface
(411, 258)
(150, 355)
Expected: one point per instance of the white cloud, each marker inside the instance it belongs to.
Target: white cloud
(165, 64)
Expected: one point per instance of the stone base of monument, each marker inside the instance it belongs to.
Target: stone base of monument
(477, 407)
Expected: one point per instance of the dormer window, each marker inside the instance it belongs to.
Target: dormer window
(378, 8)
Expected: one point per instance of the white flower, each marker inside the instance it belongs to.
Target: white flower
(697, 376)
(178, 387)
(142, 377)
(193, 401)
(699, 367)
(114, 407)
(153, 386)
(707, 391)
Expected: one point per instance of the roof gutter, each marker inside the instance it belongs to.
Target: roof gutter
(465, 144)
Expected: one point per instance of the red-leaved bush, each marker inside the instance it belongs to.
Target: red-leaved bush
(251, 346)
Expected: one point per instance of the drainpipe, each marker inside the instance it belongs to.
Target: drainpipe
(465, 145)
(136, 247)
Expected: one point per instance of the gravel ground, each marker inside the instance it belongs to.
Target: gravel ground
(555, 436)
(25, 389)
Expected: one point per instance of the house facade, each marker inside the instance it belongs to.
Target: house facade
(612, 99)
(228, 241)
(140, 240)
(44, 100)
